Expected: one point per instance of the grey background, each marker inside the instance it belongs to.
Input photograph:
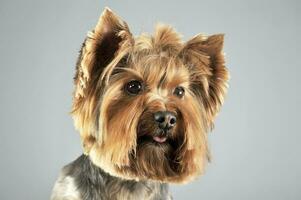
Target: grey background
(256, 142)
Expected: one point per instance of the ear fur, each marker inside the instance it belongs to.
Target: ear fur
(100, 49)
(205, 59)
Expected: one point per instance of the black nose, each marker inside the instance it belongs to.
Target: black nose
(166, 120)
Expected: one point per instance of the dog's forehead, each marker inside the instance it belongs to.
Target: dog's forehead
(161, 70)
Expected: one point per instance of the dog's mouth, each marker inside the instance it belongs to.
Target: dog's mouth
(154, 138)
(160, 139)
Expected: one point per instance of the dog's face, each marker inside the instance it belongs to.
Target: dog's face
(144, 105)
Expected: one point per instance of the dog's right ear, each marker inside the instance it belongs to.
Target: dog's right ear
(103, 48)
(110, 35)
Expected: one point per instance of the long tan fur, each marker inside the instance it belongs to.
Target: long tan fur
(109, 120)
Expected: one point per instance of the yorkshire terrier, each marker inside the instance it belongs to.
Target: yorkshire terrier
(143, 106)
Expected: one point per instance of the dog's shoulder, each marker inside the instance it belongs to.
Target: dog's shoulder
(77, 179)
(65, 187)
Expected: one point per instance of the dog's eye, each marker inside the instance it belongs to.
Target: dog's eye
(133, 87)
(179, 92)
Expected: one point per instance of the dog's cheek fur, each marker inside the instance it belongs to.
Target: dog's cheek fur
(193, 154)
(119, 134)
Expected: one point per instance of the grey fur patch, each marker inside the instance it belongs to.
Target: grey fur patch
(92, 183)
(65, 189)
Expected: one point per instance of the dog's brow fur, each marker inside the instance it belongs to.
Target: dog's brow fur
(117, 127)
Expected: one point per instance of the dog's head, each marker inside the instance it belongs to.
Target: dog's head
(144, 105)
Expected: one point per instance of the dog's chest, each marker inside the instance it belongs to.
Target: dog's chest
(122, 190)
(81, 180)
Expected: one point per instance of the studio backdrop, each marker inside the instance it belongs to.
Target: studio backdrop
(255, 144)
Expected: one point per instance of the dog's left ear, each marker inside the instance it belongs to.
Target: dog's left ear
(205, 59)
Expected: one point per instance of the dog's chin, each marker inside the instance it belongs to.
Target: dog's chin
(155, 147)
(155, 158)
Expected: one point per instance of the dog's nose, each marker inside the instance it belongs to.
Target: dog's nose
(165, 119)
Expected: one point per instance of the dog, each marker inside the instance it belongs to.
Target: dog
(143, 107)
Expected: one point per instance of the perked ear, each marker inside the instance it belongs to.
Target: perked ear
(99, 49)
(209, 76)
(105, 45)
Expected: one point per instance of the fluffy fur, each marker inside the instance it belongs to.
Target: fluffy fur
(117, 128)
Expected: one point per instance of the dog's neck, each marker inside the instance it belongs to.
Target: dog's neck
(93, 183)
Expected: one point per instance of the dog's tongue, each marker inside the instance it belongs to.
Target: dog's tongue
(159, 139)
